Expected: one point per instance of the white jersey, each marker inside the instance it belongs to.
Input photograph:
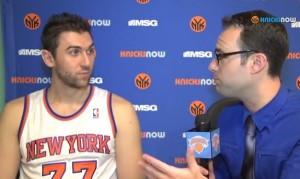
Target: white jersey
(81, 145)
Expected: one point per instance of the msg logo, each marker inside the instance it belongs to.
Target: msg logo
(143, 22)
(29, 52)
(96, 80)
(145, 107)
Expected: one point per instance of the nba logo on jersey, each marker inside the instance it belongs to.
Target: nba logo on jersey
(95, 113)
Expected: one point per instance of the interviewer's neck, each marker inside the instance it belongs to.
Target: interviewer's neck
(261, 94)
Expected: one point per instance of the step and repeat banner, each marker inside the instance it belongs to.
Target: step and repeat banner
(154, 53)
(2, 93)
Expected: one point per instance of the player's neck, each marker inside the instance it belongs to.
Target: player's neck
(67, 101)
(68, 94)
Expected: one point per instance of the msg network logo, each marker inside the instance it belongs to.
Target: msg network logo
(99, 22)
(153, 135)
(142, 54)
(194, 82)
(295, 24)
(145, 107)
(96, 80)
(197, 54)
(29, 52)
(143, 22)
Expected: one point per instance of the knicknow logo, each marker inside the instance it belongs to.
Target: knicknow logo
(293, 56)
(32, 21)
(180, 160)
(99, 22)
(142, 54)
(298, 82)
(153, 135)
(45, 80)
(197, 107)
(194, 82)
(142, 81)
(257, 19)
(30, 80)
(198, 24)
(143, 1)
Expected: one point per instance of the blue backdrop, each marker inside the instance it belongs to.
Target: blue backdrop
(155, 53)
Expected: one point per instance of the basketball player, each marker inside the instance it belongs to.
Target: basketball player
(71, 129)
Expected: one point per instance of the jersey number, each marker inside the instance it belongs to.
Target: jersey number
(77, 167)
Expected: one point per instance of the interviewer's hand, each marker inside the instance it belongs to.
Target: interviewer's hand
(156, 169)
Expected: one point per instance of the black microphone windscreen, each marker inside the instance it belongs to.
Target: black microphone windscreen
(202, 123)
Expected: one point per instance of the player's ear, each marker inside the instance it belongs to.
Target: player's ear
(47, 58)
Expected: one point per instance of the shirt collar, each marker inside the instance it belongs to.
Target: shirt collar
(265, 115)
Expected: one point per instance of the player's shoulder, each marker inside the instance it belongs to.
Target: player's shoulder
(12, 114)
(117, 102)
(120, 101)
(14, 106)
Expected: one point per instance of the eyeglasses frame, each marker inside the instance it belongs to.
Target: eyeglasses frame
(221, 56)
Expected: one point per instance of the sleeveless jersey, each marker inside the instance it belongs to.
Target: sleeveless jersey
(79, 146)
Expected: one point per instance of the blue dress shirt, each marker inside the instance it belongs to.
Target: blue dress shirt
(277, 139)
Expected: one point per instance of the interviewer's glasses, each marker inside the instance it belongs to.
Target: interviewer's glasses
(220, 56)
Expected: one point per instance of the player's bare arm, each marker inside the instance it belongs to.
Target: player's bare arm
(128, 140)
(9, 145)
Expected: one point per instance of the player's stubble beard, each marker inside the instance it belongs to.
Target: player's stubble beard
(73, 80)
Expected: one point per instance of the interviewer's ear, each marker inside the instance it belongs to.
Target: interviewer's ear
(259, 62)
(47, 58)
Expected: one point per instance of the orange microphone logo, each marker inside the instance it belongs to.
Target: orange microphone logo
(255, 19)
(198, 24)
(142, 81)
(198, 143)
(197, 107)
(216, 142)
(32, 21)
(143, 1)
(298, 82)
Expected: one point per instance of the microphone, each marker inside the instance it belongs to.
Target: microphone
(203, 140)
(205, 137)
(202, 124)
